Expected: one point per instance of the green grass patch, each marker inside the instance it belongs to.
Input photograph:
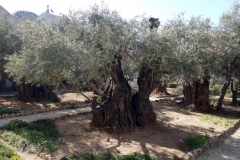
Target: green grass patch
(41, 134)
(219, 121)
(4, 110)
(228, 93)
(65, 103)
(214, 102)
(8, 154)
(110, 156)
(196, 142)
(163, 118)
(215, 90)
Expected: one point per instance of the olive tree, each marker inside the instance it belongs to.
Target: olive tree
(227, 47)
(196, 59)
(9, 42)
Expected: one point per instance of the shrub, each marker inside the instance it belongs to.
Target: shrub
(4, 110)
(65, 103)
(41, 133)
(196, 142)
(215, 90)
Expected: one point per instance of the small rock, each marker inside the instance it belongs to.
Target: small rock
(180, 140)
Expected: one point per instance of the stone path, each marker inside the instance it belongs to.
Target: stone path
(46, 115)
(228, 150)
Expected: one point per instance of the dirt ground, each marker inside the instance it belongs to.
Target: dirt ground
(12, 102)
(166, 138)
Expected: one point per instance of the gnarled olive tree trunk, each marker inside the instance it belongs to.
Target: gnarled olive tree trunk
(113, 113)
(28, 92)
(162, 88)
(142, 108)
(197, 95)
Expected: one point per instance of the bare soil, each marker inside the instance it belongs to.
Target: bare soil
(166, 138)
(12, 102)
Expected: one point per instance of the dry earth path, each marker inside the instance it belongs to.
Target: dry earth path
(228, 150)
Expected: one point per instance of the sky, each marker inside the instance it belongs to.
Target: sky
(162, 9)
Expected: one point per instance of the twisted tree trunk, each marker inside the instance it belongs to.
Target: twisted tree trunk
(28, 92)
(113, 113)
(142, 113)
(197, 95)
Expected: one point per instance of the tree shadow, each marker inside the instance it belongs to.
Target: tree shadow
(161, 139)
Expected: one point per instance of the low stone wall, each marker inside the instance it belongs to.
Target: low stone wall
(212, 142)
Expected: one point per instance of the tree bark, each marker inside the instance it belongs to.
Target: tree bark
(197, 95)
(234, 94)
(28, 92)
(142, 112)
(162, 88)
(226, 84)
(113, 113)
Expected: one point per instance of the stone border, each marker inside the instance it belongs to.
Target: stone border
(212, 142)
(42, 111)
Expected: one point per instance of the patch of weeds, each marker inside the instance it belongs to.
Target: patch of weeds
(163, 118)
(50, 106)
(4, 110)
(183, 110)
(111, 156)
(87, 101)
(65, 103)
(186, 111)
(8, 154)
(215, 90)
(41, 133)
(87, 129)
(196, 142)
(175, 157)
(214, 102)
(228, 93)
(178, 108)
(219, 121)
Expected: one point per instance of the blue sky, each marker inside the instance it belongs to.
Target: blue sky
(162, 9)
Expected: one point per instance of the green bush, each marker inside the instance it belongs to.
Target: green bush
(65, 103)
(42, 133)
(228, 93)
(171, 85)
(215, 90)
(98, 156)
(196, 142)
(4, 110)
